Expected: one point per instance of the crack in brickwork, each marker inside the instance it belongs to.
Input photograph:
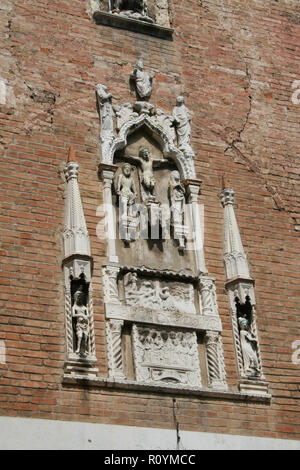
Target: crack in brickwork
(176, 422)
(274, 192)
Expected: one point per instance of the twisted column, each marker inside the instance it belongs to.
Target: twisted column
(215, 360)
(115, 359)
(236, 336)
(69, 327)
(91, 323)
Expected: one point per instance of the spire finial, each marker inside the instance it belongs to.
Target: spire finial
(71, 155)
(224, 182)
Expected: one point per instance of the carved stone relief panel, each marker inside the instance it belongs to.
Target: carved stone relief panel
(162, 295)
(208, 296)
(166, 356)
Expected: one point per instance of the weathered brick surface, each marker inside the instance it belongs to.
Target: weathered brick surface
(235, 62)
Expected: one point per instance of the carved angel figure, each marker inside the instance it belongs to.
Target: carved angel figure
(249, 348)
(182, 120)
(80, 313)
(105, 108)
(143, 80)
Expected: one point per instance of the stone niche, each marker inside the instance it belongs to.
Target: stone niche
(145, 16)
(154, 245)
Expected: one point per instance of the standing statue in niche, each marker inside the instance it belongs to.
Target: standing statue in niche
(182, 120)
(249, 348)
(143, 80)
(147, 180)
(176, 194)
(126, 190)
(80, 314)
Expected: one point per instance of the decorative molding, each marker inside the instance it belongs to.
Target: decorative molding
(161, 274)
(131, 24)
(172, 319)
(168, 389)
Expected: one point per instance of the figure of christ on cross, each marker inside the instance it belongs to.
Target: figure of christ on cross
(148, 182)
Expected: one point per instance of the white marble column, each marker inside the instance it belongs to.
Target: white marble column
(107, 173)
(193, 190)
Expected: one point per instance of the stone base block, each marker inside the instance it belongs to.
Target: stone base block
(257, 387)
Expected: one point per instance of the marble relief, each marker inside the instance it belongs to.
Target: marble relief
(166, 355)
(159, 295)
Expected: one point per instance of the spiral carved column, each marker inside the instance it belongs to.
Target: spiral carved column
(69, 327)
(114, 338)
(215, 361)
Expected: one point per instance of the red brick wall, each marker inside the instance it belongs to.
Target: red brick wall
(235, 62)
